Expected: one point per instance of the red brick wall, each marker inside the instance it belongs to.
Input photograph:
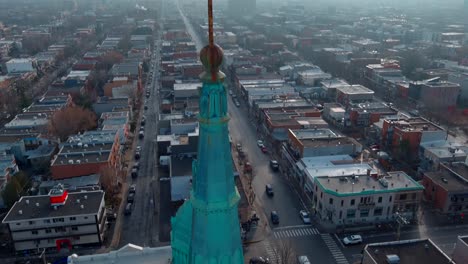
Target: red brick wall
(295, 143)
(63, 171)
(438, 197)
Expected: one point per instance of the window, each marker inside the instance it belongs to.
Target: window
(390, 198)
(85, 217)
(388, 210)
(352, 201)
(76, 237)
(74, 228)
(321, 195)
(414, 197)
(380, 199)
(50, 241)
(72, 218)
(48, 231)
(31, 222)
(60, 229)
(362, 200)
(47, 221)
(18, 223)
(351, 213)
(403, 196)
(341, 214)
(330, 201)
(57, 220)
(342, 202)
(378, 211)
(364, 213)
(34, 232)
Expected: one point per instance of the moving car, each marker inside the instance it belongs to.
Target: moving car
(274, 165)
(237, 103)
(274, 217)
(230, 92)
(352, 240)
(303, 260)
(269, 190)
(305, 217)
(259, 260)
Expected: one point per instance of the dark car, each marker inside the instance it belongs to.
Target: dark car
(269, 190)
(274, 217)
(134, 173)
(259, 260)
(136, 165)
(137, 155)
(128, 209)
(132, 188)
(131, 197)
(274, 165)
(141, 134)
(143, 121)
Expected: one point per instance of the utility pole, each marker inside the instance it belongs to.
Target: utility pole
(400, 220)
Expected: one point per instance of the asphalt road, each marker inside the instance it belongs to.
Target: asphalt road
(141, 227)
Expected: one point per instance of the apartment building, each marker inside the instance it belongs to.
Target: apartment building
(57, 220)
(359, 200)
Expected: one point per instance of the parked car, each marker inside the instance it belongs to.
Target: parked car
(260, 143)
(269, 190)
(141, 134)
(303, 260)
(264, 149)
(134, 173)
(259, 260)
(143, 121)
(128, 209)
(132, 188)
(274, 165)
(138, 148)
(131, 197)
(146, 107)
(136, 165)
(230, 92)
(237, 103)
(305, 217)
(137, 155)
(274, 217)
(352, 240)
(239, 147)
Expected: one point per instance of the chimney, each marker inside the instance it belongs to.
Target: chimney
(20, 212)
(82, 206)
(86, 197)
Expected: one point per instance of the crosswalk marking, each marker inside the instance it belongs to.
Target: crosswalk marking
(334, 249)
(270, 251)
(295, 232)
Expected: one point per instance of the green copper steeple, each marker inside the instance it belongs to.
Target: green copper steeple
(206, 228)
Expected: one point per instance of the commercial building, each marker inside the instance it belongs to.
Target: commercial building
(446, 190)
(346, 95)
(366, 199)
(405, 252)
(405, 135)
(87, 154)
(435, 94)
(57, 220)
(15, 66)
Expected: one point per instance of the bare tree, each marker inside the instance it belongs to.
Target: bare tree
(284, 252)
(71, 120)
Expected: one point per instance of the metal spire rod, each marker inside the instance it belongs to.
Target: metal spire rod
(210, 23)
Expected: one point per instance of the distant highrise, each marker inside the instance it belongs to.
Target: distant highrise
(240, 8)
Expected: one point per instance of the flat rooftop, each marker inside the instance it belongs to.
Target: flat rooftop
(322, 133)
(408, 251)
(417, 123)
(363, 184)
(452, 177)
(36, 207)
(355, 89)
(325, 142)
(187, 86)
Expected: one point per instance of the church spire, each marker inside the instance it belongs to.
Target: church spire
(206, 227)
